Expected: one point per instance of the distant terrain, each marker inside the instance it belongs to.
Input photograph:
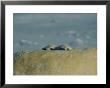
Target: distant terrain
(58, 62)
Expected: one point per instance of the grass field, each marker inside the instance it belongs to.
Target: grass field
(74, 62)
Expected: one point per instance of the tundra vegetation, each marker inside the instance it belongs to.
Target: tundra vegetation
(57, 62)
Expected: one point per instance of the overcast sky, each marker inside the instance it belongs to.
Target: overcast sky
(32, 31)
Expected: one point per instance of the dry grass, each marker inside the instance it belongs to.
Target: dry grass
(75, 62)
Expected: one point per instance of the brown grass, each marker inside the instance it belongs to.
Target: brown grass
(75, 62)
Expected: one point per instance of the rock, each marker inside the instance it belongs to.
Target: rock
(63, 47)
(49, 47)
(60, 47)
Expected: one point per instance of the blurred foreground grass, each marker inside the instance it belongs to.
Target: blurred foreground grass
(74, 62)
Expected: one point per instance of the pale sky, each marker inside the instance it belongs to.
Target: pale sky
(32, 31)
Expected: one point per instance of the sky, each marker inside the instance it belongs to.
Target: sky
(32, 31)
